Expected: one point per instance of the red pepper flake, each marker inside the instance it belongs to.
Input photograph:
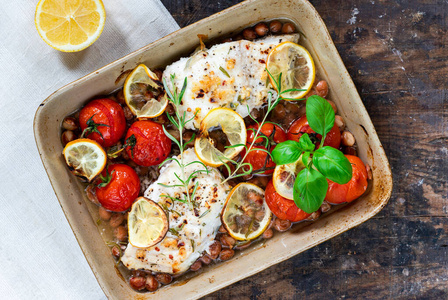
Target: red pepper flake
(262, 61)
(157, 249)
(170, 256)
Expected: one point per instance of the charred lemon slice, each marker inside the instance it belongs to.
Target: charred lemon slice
(137, 92)
(85, 158)
(234, 129)
(296, 65)
(147, 223)
(246, 214)
(284, 177)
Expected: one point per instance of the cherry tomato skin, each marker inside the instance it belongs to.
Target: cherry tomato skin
(281, 207)
(122, 189)
(107, 112)
(258, 159)
(267, 129)
(340, 193)
(301, 126)
(152, 145)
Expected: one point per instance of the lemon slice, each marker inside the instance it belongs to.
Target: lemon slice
(246, 214)
(137, 84)
(296, 65)
(68, 25)
(284, 177)
(233, 127)
(85, 158)
(147, 223)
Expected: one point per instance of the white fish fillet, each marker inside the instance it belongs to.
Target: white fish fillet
(226, 75)
(196, 229)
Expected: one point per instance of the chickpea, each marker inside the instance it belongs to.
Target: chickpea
(196, 266)
(314, 216)
(121, 233)
(243, 246)
(164, 278)
(226, 254)
(159, 73)
(70, 123)
(279, 111)
(268, 233)
(116, 219)
(104, 213)
(68, 136)
(227, 240)
(128, 113)
(249, 34)
(138, 283)
(214, 249)
(347, 138)
(325, 207)
(261, 29)
(151, 283)
(120, 97)
(333, 105)
(116, 251)
(339, 121)
(369, 172)
(205, 259)
(169, 109)
(222, 229)
(288, 28)
(91, 195)
(275, 26)
(322, 88)
(137, 273)
(282, 225)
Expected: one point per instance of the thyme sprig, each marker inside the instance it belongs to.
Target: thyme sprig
(243, 168)
(179, 120)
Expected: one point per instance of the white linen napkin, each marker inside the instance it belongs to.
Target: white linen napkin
(39, 255)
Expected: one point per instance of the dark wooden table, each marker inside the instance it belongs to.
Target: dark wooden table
(397, 54)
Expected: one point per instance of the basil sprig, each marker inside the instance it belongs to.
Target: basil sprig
(310, 186)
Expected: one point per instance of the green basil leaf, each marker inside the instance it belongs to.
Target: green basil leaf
(320, 114)
(333, 164)
(286, 152)
(306, 158)
(310, 189)
(305, 143)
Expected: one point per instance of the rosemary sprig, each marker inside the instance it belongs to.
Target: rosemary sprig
(179, 121)
(243, 168)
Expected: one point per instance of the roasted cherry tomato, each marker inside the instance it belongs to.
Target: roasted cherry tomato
(281, 207)
(149, 146)
(273, 132)
(103, 120)
(301, 126)
(260, 159)
(118, 188)
(340, 193)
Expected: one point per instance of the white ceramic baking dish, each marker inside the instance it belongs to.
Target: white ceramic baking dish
(82, 215)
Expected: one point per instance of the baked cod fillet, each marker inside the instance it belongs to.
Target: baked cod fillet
(228, 75)
(191, 231)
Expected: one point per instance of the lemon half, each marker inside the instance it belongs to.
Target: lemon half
(70, 25)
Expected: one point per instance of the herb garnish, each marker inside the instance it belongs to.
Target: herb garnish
(224, 72)
(243, 168)
(310, 186)
(179, 121)
(92, 127)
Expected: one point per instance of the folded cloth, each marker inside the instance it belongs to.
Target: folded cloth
(40, 256)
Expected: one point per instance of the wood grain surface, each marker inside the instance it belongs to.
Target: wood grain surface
(397, 54)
